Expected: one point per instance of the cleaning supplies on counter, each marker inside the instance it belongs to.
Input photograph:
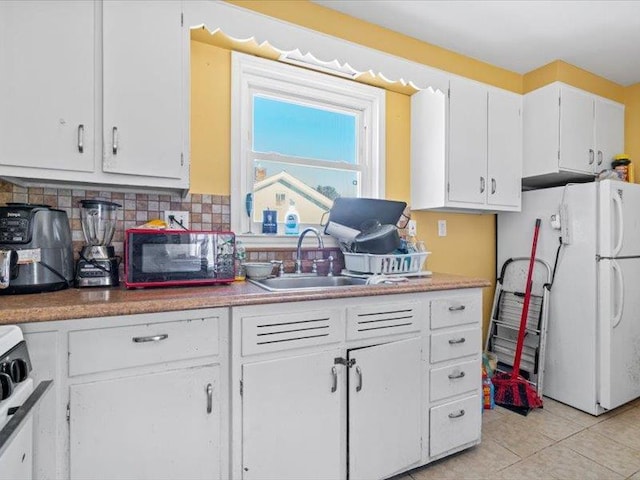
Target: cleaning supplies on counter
(292, 220)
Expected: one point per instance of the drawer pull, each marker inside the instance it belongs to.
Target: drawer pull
(455, 341)
(459, 308)
(152, 338)
(454, 376)
(334, 375)
(459, 414)
(209, 398)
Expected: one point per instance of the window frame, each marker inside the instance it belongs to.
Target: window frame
(253, 75)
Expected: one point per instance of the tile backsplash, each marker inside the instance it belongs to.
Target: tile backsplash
(207, 212)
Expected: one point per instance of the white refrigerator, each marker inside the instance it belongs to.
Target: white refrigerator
(593, 342)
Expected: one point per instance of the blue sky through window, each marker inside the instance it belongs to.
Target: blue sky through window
(304, 131)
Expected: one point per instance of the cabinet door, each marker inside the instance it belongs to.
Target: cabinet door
(384, 409)
(143, 89)
(47, 85)
(467, 179)
(609, 132)
(148, 427)
(291, 418)
(504, 163)
(577, 152)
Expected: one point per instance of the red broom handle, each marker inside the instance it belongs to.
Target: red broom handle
(525, 307)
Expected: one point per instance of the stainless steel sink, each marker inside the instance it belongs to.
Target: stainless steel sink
(292, 283)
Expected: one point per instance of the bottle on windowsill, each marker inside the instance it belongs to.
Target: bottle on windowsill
(291, 220)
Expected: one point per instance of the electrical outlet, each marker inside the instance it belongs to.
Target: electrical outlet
(412, 228)
(442, 228)
(180, 219)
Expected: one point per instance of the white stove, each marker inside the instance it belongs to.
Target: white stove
(16, 424)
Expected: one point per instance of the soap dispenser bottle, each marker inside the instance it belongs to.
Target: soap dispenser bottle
(291, 220)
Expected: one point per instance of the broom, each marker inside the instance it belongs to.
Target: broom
(511, 390)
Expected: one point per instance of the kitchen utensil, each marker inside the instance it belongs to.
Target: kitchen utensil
(512, 390)
(248, 205)
(376, 238)
(354, 212)
(98, 264)
(37, 249)
(258, 270)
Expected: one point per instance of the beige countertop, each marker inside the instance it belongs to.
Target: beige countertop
(99, 302)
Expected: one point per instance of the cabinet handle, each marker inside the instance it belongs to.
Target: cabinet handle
(482, 185)
(457, 340)
(599, 157)
(114, 138)
(493, 186)
(334, 375)
(209, 398)
(81, 138)
(152, 338)
(591, 156)
(455, 376)
(459, 414)
(457, 309)
(359, 373)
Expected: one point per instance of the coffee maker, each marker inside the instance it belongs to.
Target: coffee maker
(36, 253)
(98, 264)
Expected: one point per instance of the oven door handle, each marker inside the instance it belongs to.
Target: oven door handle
(24, 411)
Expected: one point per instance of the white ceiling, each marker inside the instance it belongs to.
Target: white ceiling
(602, 37)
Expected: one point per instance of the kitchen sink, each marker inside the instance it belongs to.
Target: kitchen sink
(292, 283)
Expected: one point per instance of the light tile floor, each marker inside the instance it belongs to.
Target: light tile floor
(555, 442)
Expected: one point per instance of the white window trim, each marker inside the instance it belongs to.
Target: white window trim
(249, 71)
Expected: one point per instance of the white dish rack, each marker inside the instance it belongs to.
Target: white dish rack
(385, 264)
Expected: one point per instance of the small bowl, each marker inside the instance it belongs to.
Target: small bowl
(258, 270)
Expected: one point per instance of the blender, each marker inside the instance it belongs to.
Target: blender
(98, 264)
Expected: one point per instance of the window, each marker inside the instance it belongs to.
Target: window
(301, 137)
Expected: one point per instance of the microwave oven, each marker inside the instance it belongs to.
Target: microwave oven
(155, 258)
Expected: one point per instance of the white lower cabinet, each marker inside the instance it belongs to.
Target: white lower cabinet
(384, 409)
(291, 418)
(338, 389)
(139, 396)
(159, 425)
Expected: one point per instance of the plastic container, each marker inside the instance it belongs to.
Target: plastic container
(385, 264)
(292, 220)
(622, 165)
(241, 256)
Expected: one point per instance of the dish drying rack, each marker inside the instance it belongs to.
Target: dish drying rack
(390, 264)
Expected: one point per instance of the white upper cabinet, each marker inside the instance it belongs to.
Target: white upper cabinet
(569, 134)
(143, 97)
(47, 85)
(504, 158)
(467, 180)
(466, 150)
(94, 93)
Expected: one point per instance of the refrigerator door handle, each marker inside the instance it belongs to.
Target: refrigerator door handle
(617, 203)
(617, 318)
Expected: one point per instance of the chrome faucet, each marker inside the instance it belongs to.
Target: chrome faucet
(299, 249)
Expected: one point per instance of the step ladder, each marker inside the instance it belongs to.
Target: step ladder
(506, 312)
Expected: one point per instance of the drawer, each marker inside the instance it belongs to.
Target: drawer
(455, 344)
(382, 319)
(272, 333)
(454, 424)
(113, 348)
(459, 310)
(464, 377)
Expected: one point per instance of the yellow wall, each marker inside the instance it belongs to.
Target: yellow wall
(632, 126)
(210, 119)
